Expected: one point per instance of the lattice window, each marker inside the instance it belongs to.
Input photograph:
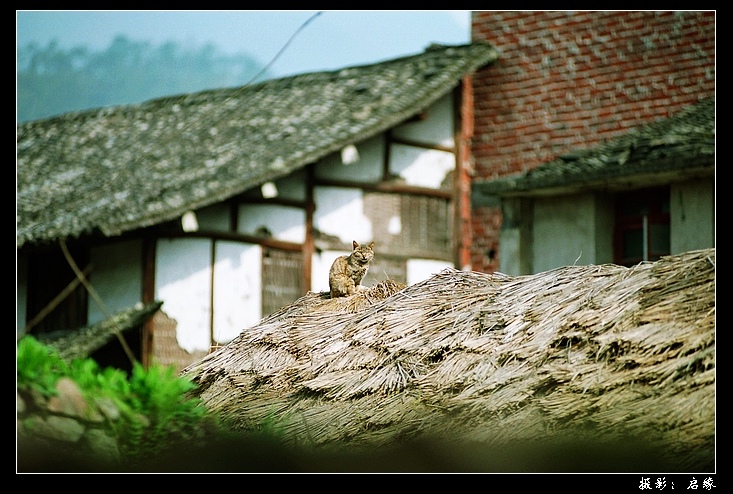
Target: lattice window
(427, 226)
(410, 226)
(383, 210)
(282, 279)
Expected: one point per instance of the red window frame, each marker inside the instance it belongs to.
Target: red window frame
(642, 226)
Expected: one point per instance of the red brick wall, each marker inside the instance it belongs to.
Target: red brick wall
(569, 80)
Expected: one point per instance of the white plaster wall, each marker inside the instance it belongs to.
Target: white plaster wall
(237, 292)
(421, 167)
(564, 232)
(21, 294)
(285, 223)
(436, 129)
(421, 269)
(117, 277)
(367, 169)
(692, 216)
(340, 212)
(320, 266)
(183, 283)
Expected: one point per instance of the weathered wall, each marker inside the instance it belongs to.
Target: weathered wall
(212, 282)
(567, 80)
(692, 211)
(566, 229)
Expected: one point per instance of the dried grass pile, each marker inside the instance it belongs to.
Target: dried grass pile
(595, 353)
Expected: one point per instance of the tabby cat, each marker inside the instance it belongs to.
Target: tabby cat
(347, 272)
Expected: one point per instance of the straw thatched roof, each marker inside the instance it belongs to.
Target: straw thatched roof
(586, 352)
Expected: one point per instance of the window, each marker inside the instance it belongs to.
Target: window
(411, 226)
(282, 279)
(642, 226)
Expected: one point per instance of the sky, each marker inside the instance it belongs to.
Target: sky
(294, 42)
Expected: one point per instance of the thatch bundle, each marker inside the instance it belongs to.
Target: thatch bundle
(592, 353)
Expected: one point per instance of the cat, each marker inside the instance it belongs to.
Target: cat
(347, 272)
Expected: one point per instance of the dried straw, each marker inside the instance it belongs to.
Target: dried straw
(602, 350)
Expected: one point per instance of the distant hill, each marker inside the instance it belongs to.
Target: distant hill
(52, 80)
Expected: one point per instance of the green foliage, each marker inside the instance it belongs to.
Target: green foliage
(39, 366)
(155, 415)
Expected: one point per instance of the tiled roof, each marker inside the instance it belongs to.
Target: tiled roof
(82, 342)
(682, 143)
(117, 169)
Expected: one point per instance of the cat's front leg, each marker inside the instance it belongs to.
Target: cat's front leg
(351, 288)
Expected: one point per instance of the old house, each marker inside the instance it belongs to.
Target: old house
(636, 198)
(227, 204)
(594, 138)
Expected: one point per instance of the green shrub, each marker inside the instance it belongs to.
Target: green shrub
(155, 414)
(158, 416)
(39, 366)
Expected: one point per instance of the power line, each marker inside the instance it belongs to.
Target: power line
(285, 46)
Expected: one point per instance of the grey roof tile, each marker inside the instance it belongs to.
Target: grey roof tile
(82, 342)
(116, 169)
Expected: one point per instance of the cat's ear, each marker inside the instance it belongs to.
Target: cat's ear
(371, 245)
(355, 244)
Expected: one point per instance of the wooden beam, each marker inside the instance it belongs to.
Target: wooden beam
(310, 244)
(148, 296)
(395, 188)
(462, 231)
(237, 237)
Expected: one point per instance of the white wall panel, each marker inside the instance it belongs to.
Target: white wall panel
(421, 269)
(368, 168)
(237, 291)
(283, 222)
(421, 167)
(437, 128)
(183, 283)
(340, 212)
